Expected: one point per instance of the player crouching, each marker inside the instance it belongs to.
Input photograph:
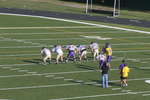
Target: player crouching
(71, 52)
(45, 54)
(94, 49)
(58, 49)
(82, 52)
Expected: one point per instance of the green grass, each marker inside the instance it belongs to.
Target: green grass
(64, 6)
(19, 56)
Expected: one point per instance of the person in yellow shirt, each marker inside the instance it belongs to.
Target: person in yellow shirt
(108, 51)
(125, 74)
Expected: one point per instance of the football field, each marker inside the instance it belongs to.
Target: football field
(23, 77)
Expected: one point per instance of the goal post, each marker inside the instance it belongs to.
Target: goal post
(116, 7)
(116, 11)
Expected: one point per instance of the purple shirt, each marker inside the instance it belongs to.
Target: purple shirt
(121, 66)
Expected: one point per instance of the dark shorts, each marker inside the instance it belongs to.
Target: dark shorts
(121, 77)
(71, 54)
(109, 58)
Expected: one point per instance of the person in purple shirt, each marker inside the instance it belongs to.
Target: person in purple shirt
(120, 68)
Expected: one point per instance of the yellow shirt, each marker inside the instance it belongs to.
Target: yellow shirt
(109, 51)
(125, 71)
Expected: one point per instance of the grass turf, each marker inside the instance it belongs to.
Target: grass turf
(23, 78)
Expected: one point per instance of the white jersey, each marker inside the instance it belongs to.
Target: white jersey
(46, 52)
(101, 57)
(58, 50)
(71, 47)
(81, 47)
(94, 46)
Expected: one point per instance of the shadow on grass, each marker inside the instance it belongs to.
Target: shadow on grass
(33, 61)
(85, 67)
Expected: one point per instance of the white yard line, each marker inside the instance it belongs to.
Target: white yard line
(91, 96)
(59, 27)
(75, 32)
(58, 78)
(6, 99)
(11, 65)
(63, 85)
(40, 86)
(9, 47)
(49, 74)
(101, 95)
(57, 73)
(116, 88)
(129, 51)
(146, 95)
(54, 39)
(80, 22)
(22, 41)
(11, 55)
(83, 44)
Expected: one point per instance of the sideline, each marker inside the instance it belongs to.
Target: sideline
(80, 22)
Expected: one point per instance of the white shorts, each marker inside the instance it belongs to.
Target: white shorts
(83, 53)
(47, 57)
(60, 54)
(96, 51)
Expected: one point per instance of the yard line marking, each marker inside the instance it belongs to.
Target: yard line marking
(144, 67)
(50, 76)
(84, 44)
(95, 37)
(91, 96)
(85, 38)
(21, 47)
(11, 76)
(50, 39)
(68, 79)
(47, 39)
(22, 41)
(81, 22)
(126, 90)
(15, 69)
(75, 32)
(101, 95)
(137, 79)
(118, 51)
(58, 77)
(146, 95)
(59, 85)
(47, 74)
(31, 72)
(23, 70)
(8, 65)
(59, 27)
(11, 55)
(40, 86)
(58, 73)
(116, 88)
